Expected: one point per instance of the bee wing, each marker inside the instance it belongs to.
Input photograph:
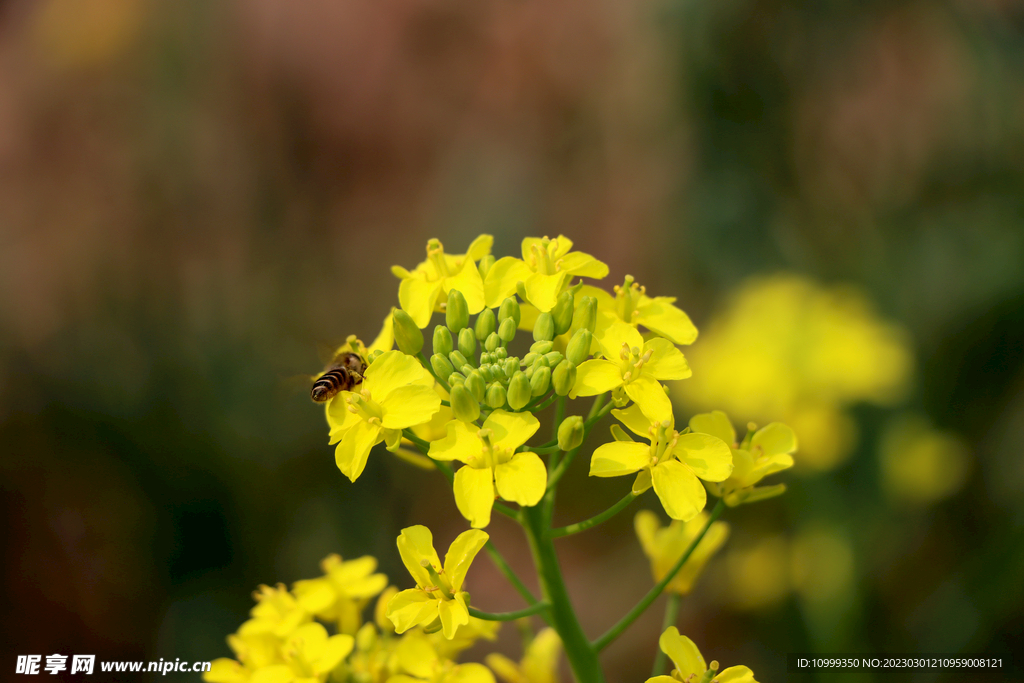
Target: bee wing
(296, 384)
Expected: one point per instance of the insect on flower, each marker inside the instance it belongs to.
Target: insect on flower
(344, 372)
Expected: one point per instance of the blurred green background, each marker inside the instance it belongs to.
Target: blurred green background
(194, 194)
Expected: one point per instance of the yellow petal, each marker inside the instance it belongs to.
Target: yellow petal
(350, 455)
(224, 670)
(460, 443)
(416, 543)
(661, 317)
(337, 648)
(507, 670)
(680, 491)
(707, 456)
(736, 674)
(400, 272)
(511, 430)
(277, 673)
(643, 481)
(502, 278)
(385, 341)
(583, 265)
(635, 420)
(773, 439)
(715, 423)
(453, 613)
(683, 653)
(480, 247)
(394, 369)
(339, 418)
(651, 398)
(474, 495)
(469, 282)
(595, 377)
(460, 555)
(614, 336)
(667, 362)
(471, 672)
(416, 655)
(409, 406)
(646, 525)
(411, 608)
(522, 479)
(314, 595)
(542, 290)
(619, 458)
(418, 298)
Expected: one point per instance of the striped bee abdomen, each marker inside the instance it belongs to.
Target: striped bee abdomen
(330, 383)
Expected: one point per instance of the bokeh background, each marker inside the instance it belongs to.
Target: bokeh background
(194, 194)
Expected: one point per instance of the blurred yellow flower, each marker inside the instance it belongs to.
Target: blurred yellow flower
(757, 575)
(419, 662)
(665, 545)
(343, 592)
(919, 464)
(786, 348)
(539, 663)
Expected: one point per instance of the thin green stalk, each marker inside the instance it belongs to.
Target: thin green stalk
(559, 416)
(592, 419)
(540, 449)
(430, 368)
(652, 595)
(536, 608)
(671, 614)
(595, 520)
(582, 656)
(499, 561)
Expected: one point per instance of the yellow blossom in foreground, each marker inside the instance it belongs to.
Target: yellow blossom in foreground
(763, 452)
(419, 662)
(539, 663)
(422, 288)
(634, 365)
(665, 545)
(343, 592)
(276, 612)
(631, 305)
(396, 393)
(306, 655)
(438, 599)
(492, 463)
(689, 663)
(673, 463)
(546, 268)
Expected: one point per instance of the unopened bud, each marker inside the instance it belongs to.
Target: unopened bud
(374, 355)
(579, 346)
(570, 433)
(476, 384)
(586, 314)
(500, 353)
(562, 312)
(563, 377)
(443, 340)
(464, 406)
(519, 391)
(467, 343)
(485, 324)
(495, 397)
(456, 378)
(544, 328)
(509, 309)
(457, 311)
(553, 358)
(458, 360)
(542, 347)
(407, 334)
(540, 381)
(510, 367)
(507, 330)
(484, 266)
(492, 342)
(442, 366)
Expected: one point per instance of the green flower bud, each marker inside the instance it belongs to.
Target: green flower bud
(493, 342)
(476, 384)
(586, 314)
(485, 265)
(457, 311)
(507, 330)
(374, 356)
(457, 359)
(519, 391)
(464, 405)
(510, 309)
(570, 433)
(495, 397)
(553, 358)
(562, 312)
(500, 353)
(544, 328)
(542, 347)
(408, 336)
(541, 362)
(466, 369)
(486, 358)
(510, 366)
(529, 358)
(456, 378)
(442, 367)
(540, 381)
(563, 377)
(443, 340)
(485, 324)
(467, 343)
(578, 349)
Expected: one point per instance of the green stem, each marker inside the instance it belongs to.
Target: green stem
(652, 595)
(559, 416)
(430, 368)
(595, 520)
(540, 449)
(582, 656)
(499, 561)
(509, 616)
(671, 614)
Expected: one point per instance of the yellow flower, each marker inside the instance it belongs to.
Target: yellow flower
(419, 662)
(396, 393)
(637, 368)
(309, 656)
(632, 305)
(254, 651)
(276, 612)
(343, 592)
(539, 663)
(465, 637)
(492, 463)
(438, 599)
(763, 452)
(673, 463)
(421, 289)
(665, 545)
(690, 664)
(546, 268)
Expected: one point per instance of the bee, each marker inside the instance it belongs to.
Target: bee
(344, 372)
